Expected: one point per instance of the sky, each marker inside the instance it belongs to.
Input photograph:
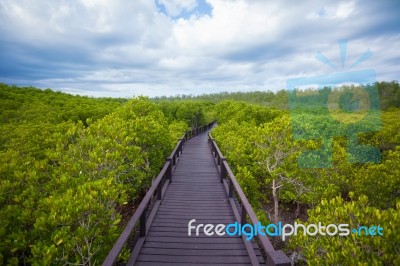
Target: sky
(125, 48)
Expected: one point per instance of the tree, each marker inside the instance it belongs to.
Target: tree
(354, 249)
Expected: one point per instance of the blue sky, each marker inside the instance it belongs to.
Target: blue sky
(122, 48)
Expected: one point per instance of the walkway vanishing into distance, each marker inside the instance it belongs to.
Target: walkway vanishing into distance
(196, 191)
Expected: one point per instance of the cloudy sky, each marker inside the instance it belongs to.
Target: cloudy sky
(122, 48)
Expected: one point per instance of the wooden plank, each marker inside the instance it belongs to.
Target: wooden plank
(195, 212)
(193, 252)
(169, 229)
(215, 240)
(184, 235)
(205, 188)
(184, 222)
(204, 191)
(206, 246)
(194, 203)
(180, 224)
(214, 197)
(146, 263)
(195, 215)
(195, 193)
(188, 207)
(194, 259)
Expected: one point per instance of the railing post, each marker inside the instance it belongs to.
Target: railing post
(222, 166)
(169, 169)
(181, 146)
(212, 148)
(243, 216)
(143, 223)
(230, 188)
(179, 151)
(159, 190)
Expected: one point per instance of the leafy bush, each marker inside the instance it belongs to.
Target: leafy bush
(353, 249)
(62, 183)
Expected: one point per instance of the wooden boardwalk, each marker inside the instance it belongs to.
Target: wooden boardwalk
(195, 193)
(196, 182)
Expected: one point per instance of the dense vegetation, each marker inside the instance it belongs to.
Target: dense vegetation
(389, 93)
(261, 145)
(69, 165)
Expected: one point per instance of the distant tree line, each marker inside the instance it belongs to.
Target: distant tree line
(389, 94)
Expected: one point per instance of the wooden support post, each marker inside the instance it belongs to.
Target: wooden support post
(223, 169)
(169, 170)
(244, 215)
(179, 151)
(230, 188)
(159, 190)
(143, 223)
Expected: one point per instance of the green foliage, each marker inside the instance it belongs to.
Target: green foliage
(237, 135)
(380, 182)
(228, 111)
(67, 163)
(63, 179)
(352, 249)
(389, 95)
(259, 145)
(266, 98)
(31, 105)
(193, 113)
(79, 225)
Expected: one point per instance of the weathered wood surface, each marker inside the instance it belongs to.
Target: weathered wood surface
(195, 192)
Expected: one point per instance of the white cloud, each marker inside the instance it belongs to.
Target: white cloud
(340, 10)
(233, 24)
(176, 7)
(130, 45)
(344, 10)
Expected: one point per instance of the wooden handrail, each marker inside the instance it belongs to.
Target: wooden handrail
(117, 248)
(140, 214)
(274, 257)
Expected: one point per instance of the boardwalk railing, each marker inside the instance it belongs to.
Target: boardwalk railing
(273, 257)
(198, 130)
(144, 214)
